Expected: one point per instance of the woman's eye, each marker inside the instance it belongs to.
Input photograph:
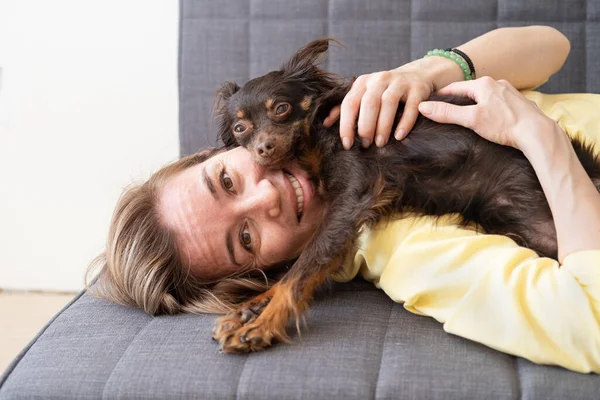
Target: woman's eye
(282, 108)
(239, 128)
(246, 239)
(226, 181)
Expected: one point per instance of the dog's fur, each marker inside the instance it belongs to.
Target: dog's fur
(438, 169)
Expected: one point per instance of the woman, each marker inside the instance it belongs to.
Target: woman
(197, 236)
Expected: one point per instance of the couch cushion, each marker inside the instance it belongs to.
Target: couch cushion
(357, 344)
(240, 39)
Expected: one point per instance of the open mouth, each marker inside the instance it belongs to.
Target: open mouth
(299, 193)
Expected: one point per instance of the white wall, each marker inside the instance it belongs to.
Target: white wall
(88, 103)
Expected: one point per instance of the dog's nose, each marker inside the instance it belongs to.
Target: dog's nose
(266, 148)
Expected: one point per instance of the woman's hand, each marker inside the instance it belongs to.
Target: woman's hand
(502, 114)
(539, 51)
(377, 96)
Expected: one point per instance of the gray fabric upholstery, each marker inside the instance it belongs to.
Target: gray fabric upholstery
(239, 39)
(357, 344)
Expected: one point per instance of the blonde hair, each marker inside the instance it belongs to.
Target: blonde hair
(142, 266)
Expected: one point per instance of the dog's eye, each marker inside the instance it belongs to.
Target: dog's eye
(282, 108)
(239, 128)
(245, 238)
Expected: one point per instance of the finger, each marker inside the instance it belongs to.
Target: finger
(408, 119)
(349, 113)
(447, 113)
(369, 112)
(333, 116)
(385, 122)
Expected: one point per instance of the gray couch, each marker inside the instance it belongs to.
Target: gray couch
(358, 344)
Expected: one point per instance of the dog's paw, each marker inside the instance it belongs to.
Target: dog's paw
(234, 331)
(252, 337)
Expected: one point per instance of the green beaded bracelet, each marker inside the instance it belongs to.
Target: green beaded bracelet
(454, 57)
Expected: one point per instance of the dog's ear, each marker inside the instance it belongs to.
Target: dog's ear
(305, 59)
(325, 102)
(223, 117)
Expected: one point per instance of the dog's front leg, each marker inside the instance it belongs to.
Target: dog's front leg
(257, 324)
(262, 321)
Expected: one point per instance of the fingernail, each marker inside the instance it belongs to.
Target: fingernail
(346, 143)
(380, 141)
(425, 108)
(366, 143)
(400, 134)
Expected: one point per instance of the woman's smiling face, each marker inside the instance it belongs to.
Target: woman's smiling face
(230, 214)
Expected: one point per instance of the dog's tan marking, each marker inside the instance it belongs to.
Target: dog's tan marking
(306, 127)
(305, 103)
(269, 103)
(384, 199)
(304, 124)
(240, 114)
(236, 336)
(311, 162)
(243, 331)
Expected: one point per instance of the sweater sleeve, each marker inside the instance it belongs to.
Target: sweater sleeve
(488, 289)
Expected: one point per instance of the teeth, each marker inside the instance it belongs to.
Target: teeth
(298, 190)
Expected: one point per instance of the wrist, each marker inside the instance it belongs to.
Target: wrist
(438, 72)
(540, 139)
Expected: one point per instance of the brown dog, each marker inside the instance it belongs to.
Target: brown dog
(438, 169)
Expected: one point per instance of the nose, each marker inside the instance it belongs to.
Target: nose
(266, 148)
(263, 198)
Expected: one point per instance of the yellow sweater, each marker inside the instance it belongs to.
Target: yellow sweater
(485, 287)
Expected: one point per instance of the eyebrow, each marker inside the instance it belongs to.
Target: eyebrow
(228, 239)
(209, 184)
(230, 249)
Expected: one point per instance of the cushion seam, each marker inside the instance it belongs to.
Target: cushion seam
(123, 354)
(518, 378)
(387, 326)
(237, 390)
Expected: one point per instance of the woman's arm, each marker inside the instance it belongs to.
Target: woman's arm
(525, 56)
(573, 198)
(488, 289)
(504, 116)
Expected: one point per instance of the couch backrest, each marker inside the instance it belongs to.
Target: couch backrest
(240, 39)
